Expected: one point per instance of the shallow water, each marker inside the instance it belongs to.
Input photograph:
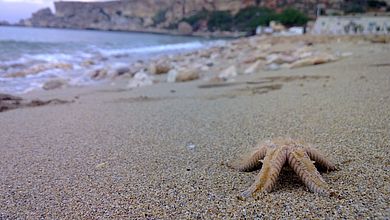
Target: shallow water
(24, 50)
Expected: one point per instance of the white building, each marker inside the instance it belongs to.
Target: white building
(341, 25)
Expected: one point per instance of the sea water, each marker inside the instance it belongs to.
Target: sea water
(31, 56)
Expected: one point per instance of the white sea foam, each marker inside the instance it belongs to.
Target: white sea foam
(160, 48)
(20, 61)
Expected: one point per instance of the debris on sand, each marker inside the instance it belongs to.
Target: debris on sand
(9, 102)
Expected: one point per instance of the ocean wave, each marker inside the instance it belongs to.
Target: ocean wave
(57, 57)
(74, 56)
(27, 60)
(23, 43)
(44, 61)
(159, 48)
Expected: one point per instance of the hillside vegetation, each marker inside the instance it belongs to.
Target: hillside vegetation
(246, 20)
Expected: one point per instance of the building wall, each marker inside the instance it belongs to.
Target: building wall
(341, 25)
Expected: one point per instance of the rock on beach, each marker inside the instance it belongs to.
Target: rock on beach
(54, 84)
(253, 68)
(228, 73)
(98, 74)
(313, 60)
(182, 75)
(140, 79)
(159, 68)
(38, 68)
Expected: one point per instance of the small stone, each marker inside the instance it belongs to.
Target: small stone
(98, 74)
(140, 79)
(54, 84)
(101, 165)
(87, 63)
(172, 76)
(64, 66)
(273, 66)
(280, 59)
(191, 146)
(255, 57)
(186, 75)
(158, 68)
(313, 60)
(38, 68)
(122, 70)
(228, 73)
(253, 68)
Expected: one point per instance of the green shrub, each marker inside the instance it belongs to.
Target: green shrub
(220, 20)
(249, 18)
(195, 19)
(291, 17)
(160, 17)
(173, 26)
(335, 13)
(246, 19)
(376, 4)
(352, 7)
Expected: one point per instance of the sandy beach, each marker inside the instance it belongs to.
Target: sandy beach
(160, 151)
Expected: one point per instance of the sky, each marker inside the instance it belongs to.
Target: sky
(14, 10)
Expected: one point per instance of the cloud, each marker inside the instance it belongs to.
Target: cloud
(14, 10)
(45, 1)
(30, 1)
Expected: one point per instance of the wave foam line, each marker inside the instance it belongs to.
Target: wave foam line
(160, 48)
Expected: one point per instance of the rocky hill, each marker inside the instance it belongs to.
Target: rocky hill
(151, 15)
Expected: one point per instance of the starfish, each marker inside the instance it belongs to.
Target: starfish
(273, 155)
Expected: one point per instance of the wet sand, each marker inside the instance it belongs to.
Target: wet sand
(160, 152)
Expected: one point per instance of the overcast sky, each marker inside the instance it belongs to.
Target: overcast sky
(14, 10)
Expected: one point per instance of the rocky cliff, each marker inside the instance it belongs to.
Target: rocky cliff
(150, 15)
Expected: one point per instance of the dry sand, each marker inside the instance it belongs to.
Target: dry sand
(116, 153)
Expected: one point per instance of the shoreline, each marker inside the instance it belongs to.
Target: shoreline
(112, 60)
(215, 63)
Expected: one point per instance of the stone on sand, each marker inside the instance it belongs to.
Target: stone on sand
(38, 68)
(254, 67)
(313, 60)
(255, 57)
(98, 74)
(159, 68)
(280, 58)
(140, 79)
(54, 84)
(87, 63)
(121, 70)
(230, 72)
(185, 75)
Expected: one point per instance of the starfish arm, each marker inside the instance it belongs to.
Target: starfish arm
(320, 159)
(307, 172)
(253, 162)
(266, 179)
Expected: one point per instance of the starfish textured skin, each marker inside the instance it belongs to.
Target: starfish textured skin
(271, 156)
